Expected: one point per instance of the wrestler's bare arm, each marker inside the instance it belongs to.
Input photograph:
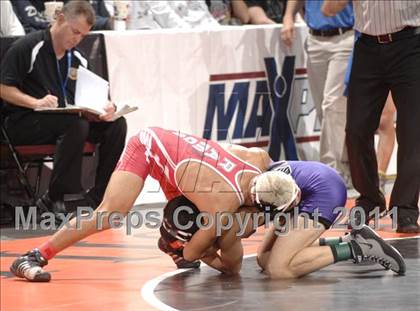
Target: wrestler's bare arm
(205, 238)
(201, 241)
(231, 252)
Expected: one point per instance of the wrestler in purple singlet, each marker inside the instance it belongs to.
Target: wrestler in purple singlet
(321, 186)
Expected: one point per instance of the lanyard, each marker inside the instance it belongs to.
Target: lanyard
(63, 82)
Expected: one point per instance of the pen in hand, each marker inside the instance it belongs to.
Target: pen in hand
(48, 101)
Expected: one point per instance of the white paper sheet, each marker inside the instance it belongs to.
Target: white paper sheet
(91, 90)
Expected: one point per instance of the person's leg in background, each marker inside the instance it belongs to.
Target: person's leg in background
(386, 133)
(69, 133)
(66, 174)
(111, 138)
(404, 77)
(367, 96)
(334, 105)
(317, 68)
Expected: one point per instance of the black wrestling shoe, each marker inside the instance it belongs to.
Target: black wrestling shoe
(408, 228)
(367, 245)
(29, 266)
(45, 204)
(408, 225)
(176, 255)
(84, 200)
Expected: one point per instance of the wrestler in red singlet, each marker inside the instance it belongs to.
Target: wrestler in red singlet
(159, 153)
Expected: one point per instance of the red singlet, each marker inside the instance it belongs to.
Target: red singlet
(159, 153)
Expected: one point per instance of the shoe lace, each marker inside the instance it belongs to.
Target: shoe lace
(36, 256)
(380, 260)
(23, 266)
(29, 261)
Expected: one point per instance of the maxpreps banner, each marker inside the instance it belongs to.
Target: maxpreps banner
(236, 84)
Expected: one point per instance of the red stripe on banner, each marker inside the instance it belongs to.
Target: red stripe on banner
(237, 76)
(248, 75)
(307, 139)
(303, 139)
(255, 144)
(301, 71)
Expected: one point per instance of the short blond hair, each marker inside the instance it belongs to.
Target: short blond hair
(276, 188)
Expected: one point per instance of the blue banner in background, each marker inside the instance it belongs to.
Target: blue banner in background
(272, 97)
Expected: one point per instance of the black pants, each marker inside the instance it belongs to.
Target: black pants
(378, 69)
(70, 132)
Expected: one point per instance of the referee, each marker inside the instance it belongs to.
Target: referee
(386, 58)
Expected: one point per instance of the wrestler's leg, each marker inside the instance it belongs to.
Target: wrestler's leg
(292, 255)
(120, 195)
(122, 191)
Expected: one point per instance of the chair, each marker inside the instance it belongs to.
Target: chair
(25, 157)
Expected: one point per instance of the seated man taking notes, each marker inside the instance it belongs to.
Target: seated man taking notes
(39, 70)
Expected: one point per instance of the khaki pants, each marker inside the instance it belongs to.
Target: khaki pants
(327, 63)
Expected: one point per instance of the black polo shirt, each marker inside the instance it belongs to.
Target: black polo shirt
(32, 66)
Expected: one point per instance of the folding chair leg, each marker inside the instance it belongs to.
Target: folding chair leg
(38, 177)
(22, 171)
(23, 178)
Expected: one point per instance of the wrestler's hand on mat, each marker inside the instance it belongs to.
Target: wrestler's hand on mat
(175, 247)
(210, 252)
(212, 259)
(175, 250)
